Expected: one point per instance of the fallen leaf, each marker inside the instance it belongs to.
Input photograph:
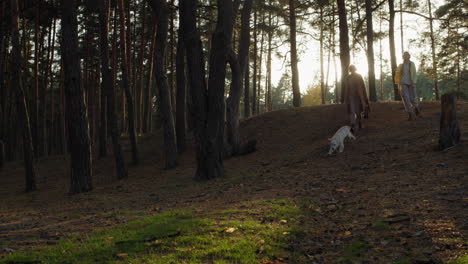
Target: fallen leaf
(230, 230)
(122, 255)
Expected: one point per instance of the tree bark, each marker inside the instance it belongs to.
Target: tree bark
(76, 114)
(161, 11)
(255, 57)
(208, 105)
(344, 46)
(370, 52)
(149, 84)
(2, 154)
(181, 103)
(247, 90)
(108, 90)
(322, 83)
(16, 81)
(238, 67)
(449, 126)
(126, 79)
(434, 59)
(391, 38)
(401, 28)
(35, 117)
(294, 61)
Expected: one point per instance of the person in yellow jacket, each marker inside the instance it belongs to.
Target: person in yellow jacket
(405, 77)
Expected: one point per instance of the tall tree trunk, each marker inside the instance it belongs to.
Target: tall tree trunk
(16, 81)
(381, 59)
(268, 101)
(247, 89)
(433, 48)
(141, 83)
(161, 11)
(51, 88)
(294, 61)
(401, 27)
(391, 38)
(149, 84)
(209, 119)
(344, 46)
(322, 84)
(259, 89)
(238, 68)
(172, 86)
(196, 76)
(3, 93)
(181, 103)
(255, 57)
(108, 90)
(77, 119)
(126, 79)
(370, 52)
(35, 117)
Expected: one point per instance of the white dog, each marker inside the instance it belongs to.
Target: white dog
(338, 139)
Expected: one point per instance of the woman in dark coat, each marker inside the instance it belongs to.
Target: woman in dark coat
(356, 97)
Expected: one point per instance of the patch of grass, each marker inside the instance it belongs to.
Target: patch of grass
(461, 260)
(355, 252)
(182, 236)
(403, 260)
(380, 226)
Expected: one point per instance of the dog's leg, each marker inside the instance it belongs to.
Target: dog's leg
(352, 136)
(341, 148)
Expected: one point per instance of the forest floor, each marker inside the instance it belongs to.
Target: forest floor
(388, 198)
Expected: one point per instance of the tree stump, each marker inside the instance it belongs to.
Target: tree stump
(449, 127)
(2, 154)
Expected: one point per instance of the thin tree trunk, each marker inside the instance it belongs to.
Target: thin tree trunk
(370, 52)
(35, 117)
(3, 93)
(108, 90)
(51, 92)
(401, 27)
(77, 120)
(381, 59)
(48, 59)
(149, 84)
(255, 57)
(391, 38)
(140, 80)
(294, 61)
(322, 84)
(247, 89)
(259, 89)
(344, 46)
(268, 106)
(181, 114)
(433, 48)
(16, 81)
(126, 80)
(172, 87)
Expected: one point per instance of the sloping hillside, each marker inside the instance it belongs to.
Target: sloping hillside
(388, 198)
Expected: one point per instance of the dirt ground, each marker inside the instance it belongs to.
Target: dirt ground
(389, 188)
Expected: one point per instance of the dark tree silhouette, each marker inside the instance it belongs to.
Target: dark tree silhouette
(161, 12)
(344, 46)
(108, 89)
(76, 113)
